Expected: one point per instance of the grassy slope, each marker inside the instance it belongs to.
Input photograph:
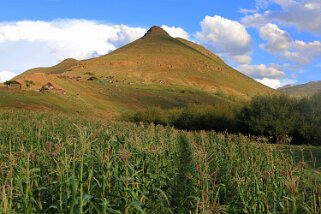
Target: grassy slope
(159, 57)
(307, 89)
(156, 70)
(57, 69)
(106, 101)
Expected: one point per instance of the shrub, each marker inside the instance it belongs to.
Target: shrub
(280, 117)
(90, 74)
(92, 78)
(270, 115)
(309, 122)
(29, 83)
(220, 117)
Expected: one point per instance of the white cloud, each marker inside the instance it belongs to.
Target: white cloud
(276, 83)
(6, 75)
(246, 11)
(176, 32)
(255, 20)
(270, 75)
(42, 43)
(273, 83)
(261, 4)
(280, 43)
(305, 15)
(79, 39)
(262, 71)
(277, 38)
(226, 37)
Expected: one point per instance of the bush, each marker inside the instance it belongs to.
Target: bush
(151, 115)
(92, 78)
(272, 116)
(309, 122)
(194, 117)
(29, 83)
(280, 117)
(90, 74)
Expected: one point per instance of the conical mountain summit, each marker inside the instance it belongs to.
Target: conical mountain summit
(153, 70)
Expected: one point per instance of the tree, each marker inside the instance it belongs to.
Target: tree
(271, 115)
(309, 122)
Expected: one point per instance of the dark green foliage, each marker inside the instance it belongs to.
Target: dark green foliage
(220, 117)
(92, 78)
(309, 123)
(151, 115)
(90, 73)
(282, 118)
(286, 119)
(10, 82)
(29, 83)
(271, 116)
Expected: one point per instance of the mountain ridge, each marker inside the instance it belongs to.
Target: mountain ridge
(155, 70)
(306, 89)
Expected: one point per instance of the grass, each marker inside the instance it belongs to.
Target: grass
(307, 89)
(51, 163)
(156, 70)
(151, 71)
(311, 155)
(100, 99)
(31, 100)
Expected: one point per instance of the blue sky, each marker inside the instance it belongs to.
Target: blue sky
(276, 42)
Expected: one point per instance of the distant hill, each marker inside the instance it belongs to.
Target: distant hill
(155, 70)
(307, 89)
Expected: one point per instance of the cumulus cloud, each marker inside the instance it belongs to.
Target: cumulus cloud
(277, 39)
(79, 39)
(227, 37)
(271, 75)
(262, 71)
(6, 75)
(305, 15)
(276, 83)
(272, 83)
(44, 43)
(296, 51)
(176, 32)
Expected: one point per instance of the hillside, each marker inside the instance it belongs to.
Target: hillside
(155, 70)
(307, 89)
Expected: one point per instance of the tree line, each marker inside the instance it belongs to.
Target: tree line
(282, 118)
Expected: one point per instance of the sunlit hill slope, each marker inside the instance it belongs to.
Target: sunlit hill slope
(155, 70)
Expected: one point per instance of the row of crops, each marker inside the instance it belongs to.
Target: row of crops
(57, 164)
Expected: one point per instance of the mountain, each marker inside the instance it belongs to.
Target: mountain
(155, 70)
(307, 89)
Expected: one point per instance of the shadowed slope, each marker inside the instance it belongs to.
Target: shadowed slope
(307, 89)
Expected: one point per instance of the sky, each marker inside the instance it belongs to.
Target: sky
(276, 42)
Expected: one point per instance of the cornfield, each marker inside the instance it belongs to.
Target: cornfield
(57, 164)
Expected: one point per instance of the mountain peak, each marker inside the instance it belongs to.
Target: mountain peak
(156, 31)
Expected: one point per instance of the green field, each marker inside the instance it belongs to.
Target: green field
(311, 155)
(100, 99)
(51, 163)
